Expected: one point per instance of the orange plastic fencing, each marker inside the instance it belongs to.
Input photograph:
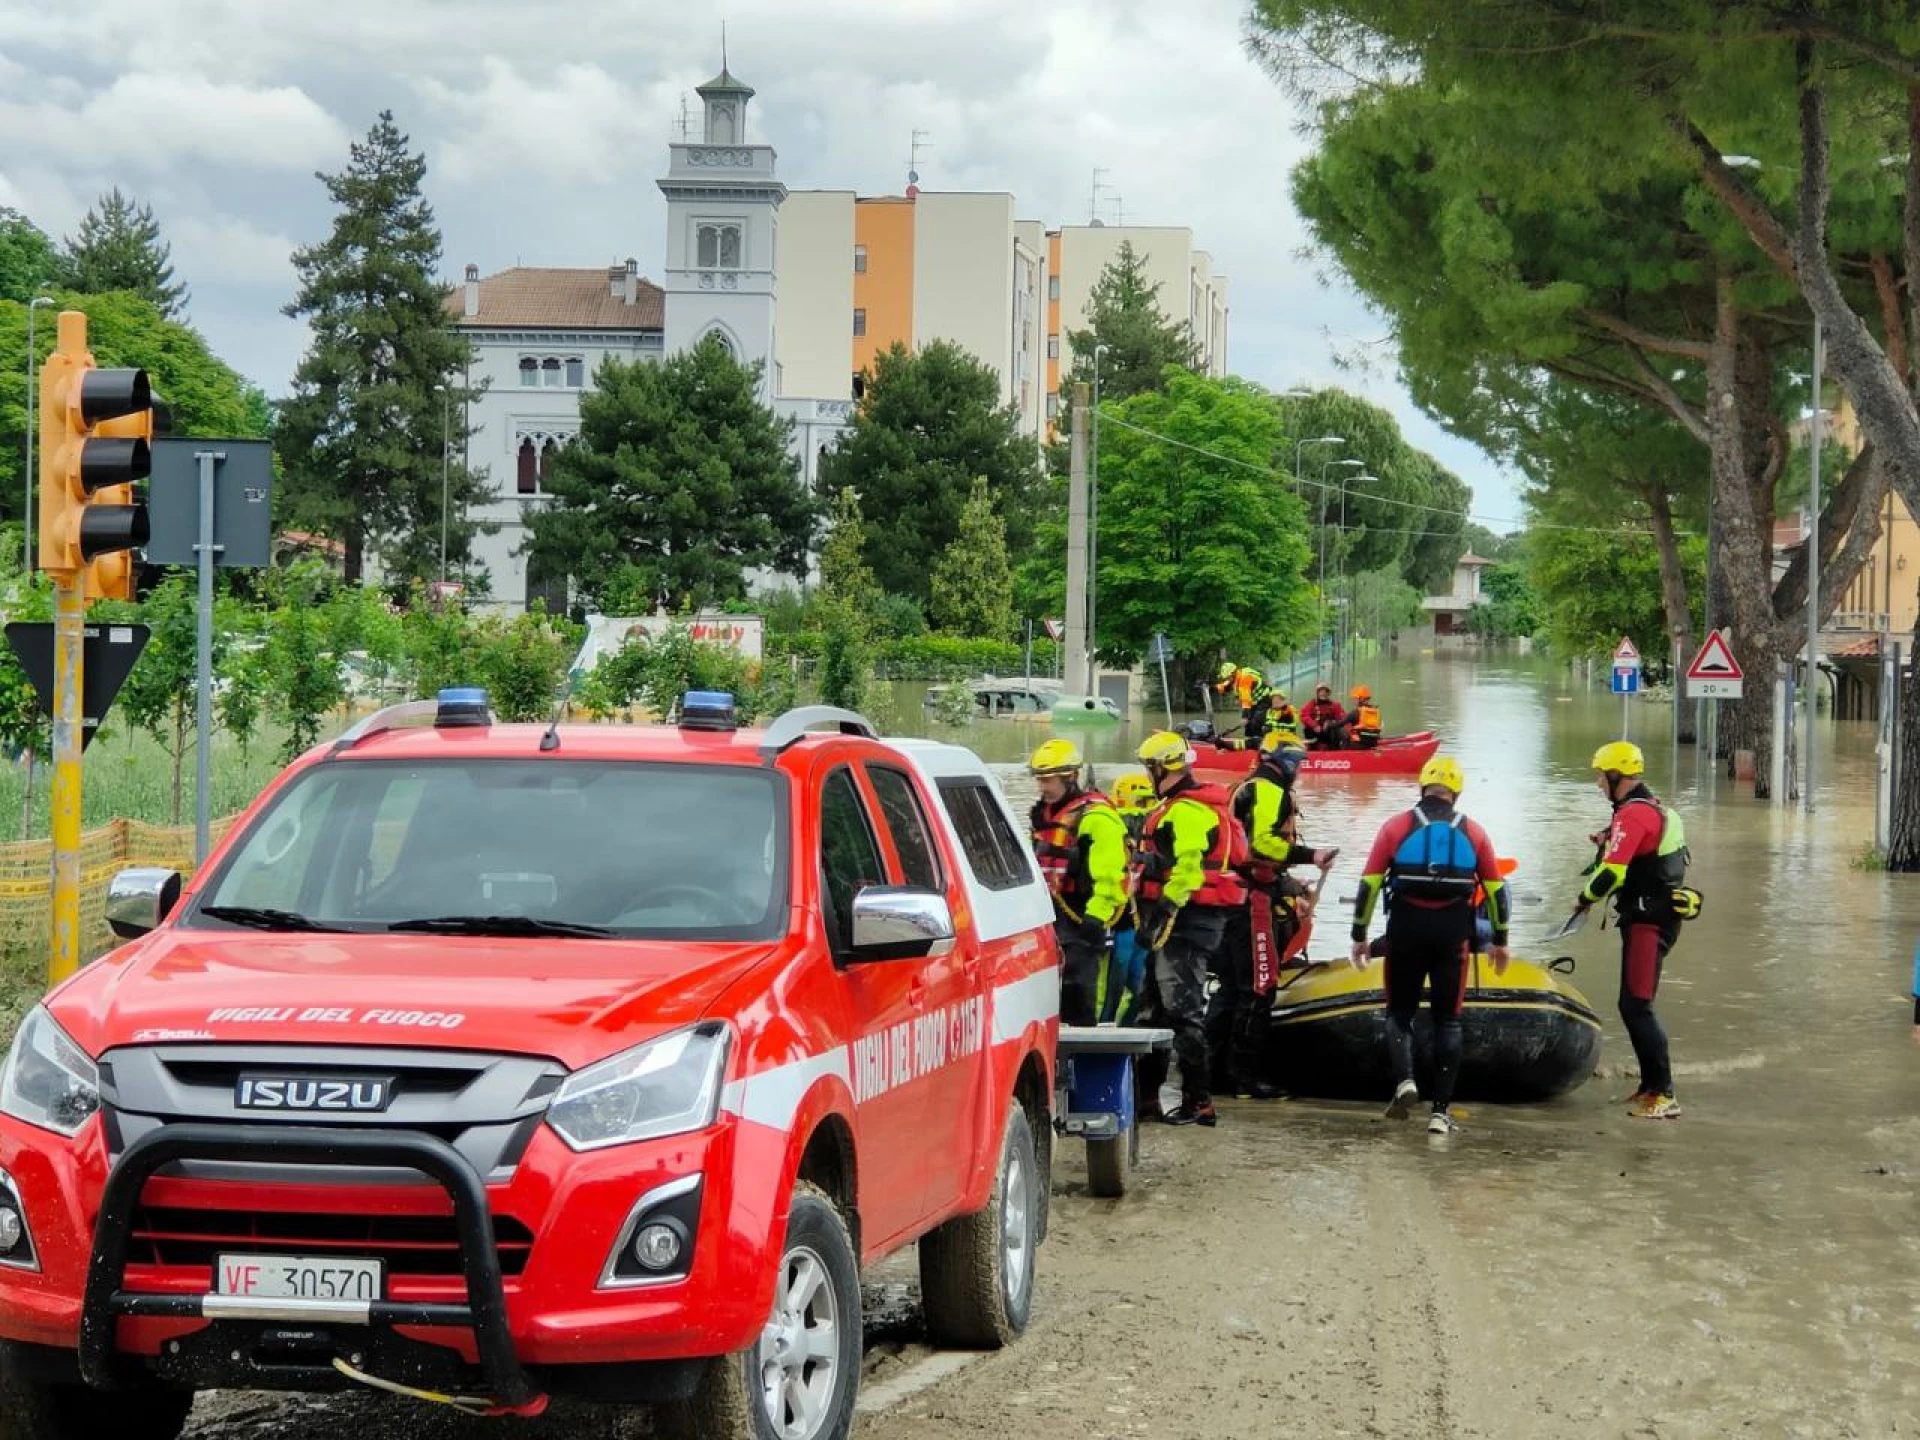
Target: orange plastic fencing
(26, 878)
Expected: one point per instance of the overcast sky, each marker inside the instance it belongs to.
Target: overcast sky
(545, 124)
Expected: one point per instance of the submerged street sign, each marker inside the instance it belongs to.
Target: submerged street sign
(1625, 654)
(1714, 673)
(1626, 679)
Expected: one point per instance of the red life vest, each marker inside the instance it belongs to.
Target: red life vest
(1221, 884)
(1056, 845)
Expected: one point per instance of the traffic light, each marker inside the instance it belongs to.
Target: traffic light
(96, 429)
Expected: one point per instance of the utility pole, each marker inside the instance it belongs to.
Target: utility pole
(1093, 530)
(33, 365)
(1076, 657)
(1813, 571)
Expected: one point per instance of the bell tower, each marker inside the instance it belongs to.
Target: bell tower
(723, 204)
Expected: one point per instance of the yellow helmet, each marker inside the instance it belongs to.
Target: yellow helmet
(1280, 735)
(1132, 792)
(1056, 757)
(1362, 692)
(1279, 696)
(1164, 750)
(1443, 770)
(1622, 757)
(1227, 671)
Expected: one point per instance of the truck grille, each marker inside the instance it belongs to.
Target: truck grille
(410, 1245)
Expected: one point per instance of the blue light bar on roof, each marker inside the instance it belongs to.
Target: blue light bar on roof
(460, 707)
(707, 710)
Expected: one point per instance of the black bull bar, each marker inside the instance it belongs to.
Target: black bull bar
(485, 1310)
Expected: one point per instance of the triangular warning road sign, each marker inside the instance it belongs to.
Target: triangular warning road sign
(1625, 653)
(1715, 661)
(106, 661)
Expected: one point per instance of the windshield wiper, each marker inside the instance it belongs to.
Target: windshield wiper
(502, 925)
(263, 917)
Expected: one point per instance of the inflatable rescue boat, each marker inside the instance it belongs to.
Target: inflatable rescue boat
(1528, 1034)
(1394, 755)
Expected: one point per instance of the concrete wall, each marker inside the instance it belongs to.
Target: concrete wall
(963, 276)
(814, 338)
(1190, 290)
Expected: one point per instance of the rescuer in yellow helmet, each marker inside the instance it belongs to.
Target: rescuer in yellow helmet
(1080, 842)
(1432, 862)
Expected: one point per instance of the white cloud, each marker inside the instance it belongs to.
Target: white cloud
(224, 250)
(577, 125)
(151, 122)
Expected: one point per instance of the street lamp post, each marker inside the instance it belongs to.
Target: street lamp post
(1326, 465)
(1343, 649)
(1093, 524)
(26, 516)
(446, 449)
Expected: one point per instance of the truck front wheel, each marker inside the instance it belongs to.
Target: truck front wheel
(798, 1380)
(976, 1271)
(36, 1409)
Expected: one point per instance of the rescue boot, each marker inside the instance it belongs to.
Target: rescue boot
(1654, 1107)
(1258, 1090)
(1193, 1110)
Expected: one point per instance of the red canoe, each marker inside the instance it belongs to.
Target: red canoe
(1394, 755)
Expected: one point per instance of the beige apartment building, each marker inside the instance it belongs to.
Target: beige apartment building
(1190, 290)
(858, 274)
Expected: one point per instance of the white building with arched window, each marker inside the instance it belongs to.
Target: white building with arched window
(538, 334)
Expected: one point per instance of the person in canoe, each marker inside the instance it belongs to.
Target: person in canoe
(1324, 721)
(1363, 721)
(1251, 692)
(1080, 842)
(1430, 861)
(1239, 1015)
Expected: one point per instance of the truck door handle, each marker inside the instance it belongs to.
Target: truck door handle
(917, 993)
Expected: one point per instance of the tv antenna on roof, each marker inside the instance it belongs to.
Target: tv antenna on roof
(921, 141)
(1093, 195)
(686, 119)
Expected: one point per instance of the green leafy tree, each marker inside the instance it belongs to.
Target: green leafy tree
(681, 475)
(929, 424)
(972, 581)
(845, 576)
(1594, 586)
(1125, 314)
(1197, 537)
(25, 734)
(523, 662)
(1510, 611)
(160, 696)
(28, 261)
(438, 642)
(846, 661)
(302, 660)
(1383, 602)
(119, 248)
(360, 436)
(206, 396)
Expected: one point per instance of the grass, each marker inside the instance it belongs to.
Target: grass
(1871, 859)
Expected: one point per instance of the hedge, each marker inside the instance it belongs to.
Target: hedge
(927, 657)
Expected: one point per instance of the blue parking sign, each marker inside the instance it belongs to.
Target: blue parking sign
(1626, 679)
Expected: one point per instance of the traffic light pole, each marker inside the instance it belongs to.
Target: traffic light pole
(208, 554)
(69, 632)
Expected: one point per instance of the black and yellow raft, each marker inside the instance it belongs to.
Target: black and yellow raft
(1528, 1034)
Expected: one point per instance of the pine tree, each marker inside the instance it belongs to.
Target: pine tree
(119, 248)
(972, 581)
(361, 435)
(1124, 314)
(845, 575)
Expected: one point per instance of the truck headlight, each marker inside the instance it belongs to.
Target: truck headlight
(667, 1086)
(49, 1081)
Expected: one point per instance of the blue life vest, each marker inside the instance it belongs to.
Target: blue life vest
(1436, 862)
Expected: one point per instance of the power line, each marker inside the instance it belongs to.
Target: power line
(1323, 485)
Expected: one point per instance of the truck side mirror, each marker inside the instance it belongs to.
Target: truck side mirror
(900, 922)
(140, 898)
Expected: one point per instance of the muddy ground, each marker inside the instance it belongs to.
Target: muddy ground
(1309, 1269)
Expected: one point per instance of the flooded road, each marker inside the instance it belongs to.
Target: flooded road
(1554, 1270)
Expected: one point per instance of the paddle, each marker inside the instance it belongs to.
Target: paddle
(1571, 925)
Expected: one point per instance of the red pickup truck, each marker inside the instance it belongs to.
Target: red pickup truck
(484, 1062)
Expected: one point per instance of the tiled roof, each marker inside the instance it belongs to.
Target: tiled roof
(532, 298)
(1866, 648)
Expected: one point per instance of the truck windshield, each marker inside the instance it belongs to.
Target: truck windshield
(573, 849)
